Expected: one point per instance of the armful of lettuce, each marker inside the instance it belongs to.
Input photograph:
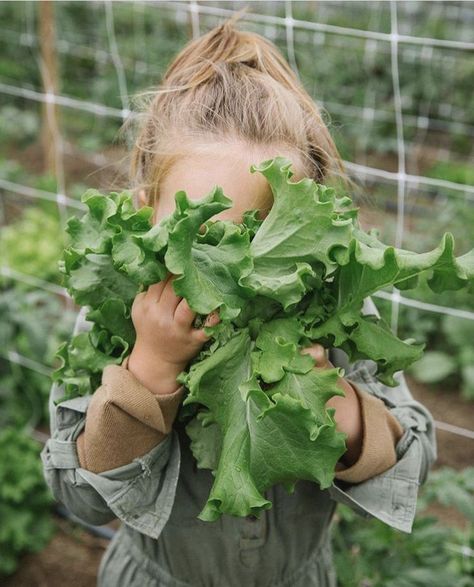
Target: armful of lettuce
(255, 407)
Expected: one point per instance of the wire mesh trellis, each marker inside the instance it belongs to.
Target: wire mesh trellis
(193, 12)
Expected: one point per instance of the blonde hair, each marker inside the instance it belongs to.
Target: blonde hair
(228, 84)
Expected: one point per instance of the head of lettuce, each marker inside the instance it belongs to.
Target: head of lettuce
(297, 277)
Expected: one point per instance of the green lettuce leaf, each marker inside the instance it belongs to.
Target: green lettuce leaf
(368, 266)
(96, 280)
(251, 425)
(294, 244)
(208, 273)
(104, 218)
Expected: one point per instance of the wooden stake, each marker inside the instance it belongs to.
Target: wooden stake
(50, 133)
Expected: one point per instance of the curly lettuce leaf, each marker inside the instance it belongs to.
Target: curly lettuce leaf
(293, 246)
(208, 274)
(85, 357)
(368, 266)
(104, 218)
(97, 280)
(138, 263)
(247, 424)
(114, 316)
(277, 351)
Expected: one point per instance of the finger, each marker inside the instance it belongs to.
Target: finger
(183, 314)
(154, 291)
(318, 353)
(200, 335)
(212, 319)
(169, 300)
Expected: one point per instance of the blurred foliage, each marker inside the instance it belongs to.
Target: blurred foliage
(452, 171)
(33, 244)
(18, 125)
(455, 215)
(450, 488)
(34, 323)
(370, 553)
(24, 499)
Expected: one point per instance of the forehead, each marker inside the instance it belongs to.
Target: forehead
(228, 166)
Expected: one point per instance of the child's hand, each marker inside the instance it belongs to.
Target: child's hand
(166, 340)
(348, 414)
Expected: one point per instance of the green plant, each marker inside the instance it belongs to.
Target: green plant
(33, 324)
(17, 125)
(33, 243)
(369, 552)
(11, 170)
(379, 556)
(449, 339)
(300, 275)
(450, 488)
(436, 366)
(457, 172)
(26, 524)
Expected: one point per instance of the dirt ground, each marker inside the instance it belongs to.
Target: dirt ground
(72, 557)
(75, 554)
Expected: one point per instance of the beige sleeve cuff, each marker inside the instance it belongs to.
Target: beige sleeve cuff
(124, 420)
(381, 433)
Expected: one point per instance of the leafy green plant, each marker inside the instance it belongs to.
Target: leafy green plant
(450, 488)
(450, 339)
(17, 125)
(300, 275)
(436, 366)
(33, 243)
(379, 556)
(11, 170)
(369, 552)
(26, 524)
(33, 323)
(457, 172)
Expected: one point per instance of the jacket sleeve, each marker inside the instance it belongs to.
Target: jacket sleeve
(391, 496)
(124, 420)
(141, 492)
(381, 433)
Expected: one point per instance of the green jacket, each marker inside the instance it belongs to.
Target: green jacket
(158, 496)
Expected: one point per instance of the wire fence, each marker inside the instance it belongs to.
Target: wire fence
(400, 178)
(404, 181)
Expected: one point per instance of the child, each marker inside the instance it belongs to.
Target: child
(229, 99)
